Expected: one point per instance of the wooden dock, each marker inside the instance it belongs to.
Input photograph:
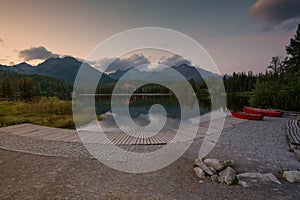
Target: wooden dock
(65, 135)
(293, 132)
(111, 136)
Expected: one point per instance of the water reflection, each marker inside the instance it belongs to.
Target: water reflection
(139, 106)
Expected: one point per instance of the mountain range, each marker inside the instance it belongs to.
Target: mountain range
(65, 69)
(167, 74)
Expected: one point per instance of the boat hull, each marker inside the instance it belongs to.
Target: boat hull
(265, 112)
(247, 116)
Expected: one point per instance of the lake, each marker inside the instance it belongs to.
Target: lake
(139, 107)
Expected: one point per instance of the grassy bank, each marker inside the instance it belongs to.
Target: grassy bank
(47, 112)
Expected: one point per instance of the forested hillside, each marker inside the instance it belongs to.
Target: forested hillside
(14, 86)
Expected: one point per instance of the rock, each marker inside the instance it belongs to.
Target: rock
(244, 184)
(213, 170)
(199, 172)
(228, 163)
(228, 176)
(263, 177)
(199, 163)
(292, 176)
(215, 163)
(214, 178)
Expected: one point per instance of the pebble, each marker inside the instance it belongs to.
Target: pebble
(215, 163)
(199, 163)
(228, 175)
(199, 172)
(292, 176)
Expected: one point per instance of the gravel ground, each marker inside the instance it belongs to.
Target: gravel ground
(255, 146)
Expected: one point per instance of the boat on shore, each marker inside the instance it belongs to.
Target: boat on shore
(248, 116)
(265, 112)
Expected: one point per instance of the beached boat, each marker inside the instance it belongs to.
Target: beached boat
(243, 115)
(265, 112)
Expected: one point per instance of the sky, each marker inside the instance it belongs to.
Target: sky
(238, 35)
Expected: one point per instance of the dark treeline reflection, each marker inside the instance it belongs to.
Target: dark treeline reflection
(140, 104)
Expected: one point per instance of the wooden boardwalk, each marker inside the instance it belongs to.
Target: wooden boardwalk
(115, 136)
(293, 132)
(65, 135)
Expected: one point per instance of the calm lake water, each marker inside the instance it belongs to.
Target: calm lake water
(141, 104)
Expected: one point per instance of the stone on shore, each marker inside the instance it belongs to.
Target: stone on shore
(214, 178)
(228, 176)
(212, 169)
(200, 163)
(244, 184)
(199, 172)
(215, 163)
(255, 176)
(292, 176)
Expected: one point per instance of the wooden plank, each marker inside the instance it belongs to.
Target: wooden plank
(76, 139)
(23, 131)
(127, 139)
(36, 134)
(293, 124)
(121, 138)
(56, 135)
(113, 136)
(165, 137)
(14, 127)
(293, 136)
(159, 140)
(134, 140)
(148, 140)
(296, 136)
(69, 137)
(151, 141)
(154, 140)
(293, 132)
(40, 133)
(138, 140)
(90, 137)
(130, 140)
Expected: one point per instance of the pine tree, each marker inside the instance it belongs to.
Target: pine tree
(6, 88)
(293, 50)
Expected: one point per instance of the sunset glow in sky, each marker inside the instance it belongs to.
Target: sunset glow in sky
(239, 35)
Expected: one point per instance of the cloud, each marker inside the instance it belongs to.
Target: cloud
(276, 14)
(122, 63)
(174, 60)
(2, 60)
(36, 53)
(137, 60)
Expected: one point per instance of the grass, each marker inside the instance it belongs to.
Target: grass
(47, 112)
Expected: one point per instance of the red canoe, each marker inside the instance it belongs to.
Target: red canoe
(265, 112)
(243, 115)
